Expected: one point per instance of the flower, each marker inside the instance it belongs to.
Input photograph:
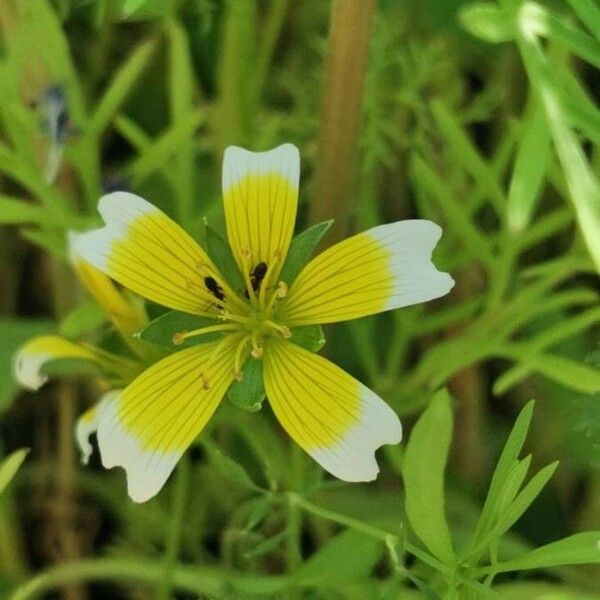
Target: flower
(338, 421)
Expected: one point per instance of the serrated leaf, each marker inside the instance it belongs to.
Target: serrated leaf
(423, 472)
(301, 249)
(309, 337)
(84, 318)
(10, 466)
(487, 22)
(249, 393)
(220, 253)
(581, 548)
(161, 330)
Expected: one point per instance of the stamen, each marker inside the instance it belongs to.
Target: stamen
(267, 278)
(225, 315)
(280, 292)
(283, 329)
(237, 365)
(247, 267)
(181, 336)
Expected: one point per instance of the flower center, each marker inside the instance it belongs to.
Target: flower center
(251, 318)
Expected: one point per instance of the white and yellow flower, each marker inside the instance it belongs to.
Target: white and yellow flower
(338, 421)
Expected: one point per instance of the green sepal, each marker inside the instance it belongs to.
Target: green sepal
(161, 330)
(309, 337)
(249, 393)
(220, 253)
(301, 249)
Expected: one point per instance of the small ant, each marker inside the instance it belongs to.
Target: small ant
(256, 277)
(214, 288)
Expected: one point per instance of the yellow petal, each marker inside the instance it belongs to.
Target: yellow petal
(381, 269)
(38, 351)
(147, 427)
(87, 424)
(148, 253)
(335, 418)
(128, 317)
(260, 194)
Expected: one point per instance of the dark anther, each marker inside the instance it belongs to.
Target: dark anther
(214, 288)
(256, 277)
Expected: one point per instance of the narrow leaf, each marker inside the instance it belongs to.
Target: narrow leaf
(530, 167)
(424, 464)
(581, 548)
(10, 466)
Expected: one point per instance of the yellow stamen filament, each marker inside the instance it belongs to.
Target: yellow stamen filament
(267, 278)
(283, 329)
(237, 365)
(280, 292)
(227, 316)
(180, 337)
(247, 266)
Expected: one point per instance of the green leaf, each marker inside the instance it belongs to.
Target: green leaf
(120, 87)
(249, 393)
(506, 463)
(267, 545)
(156, 156)
(84, 318)
(15, 333)
(530, 167)
(349, 556)
(230, 468)
(523, 500)
(309, 337)
(14, 211)
(487, 22)
(132, 6)
(581, 548)
(220, 253)
(423, 472)
(10, 466)
(162, 329)
(301, 249)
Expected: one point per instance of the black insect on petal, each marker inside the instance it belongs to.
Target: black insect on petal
(214, 288)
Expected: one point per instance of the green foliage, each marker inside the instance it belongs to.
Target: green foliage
(481, 116)
(423, 472)
(10, 465)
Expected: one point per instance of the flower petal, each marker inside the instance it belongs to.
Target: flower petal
(381, 269)
(148, 253)
(38, 351)
(87, 424)
(260, 194)
(335, 418)
(149, 425)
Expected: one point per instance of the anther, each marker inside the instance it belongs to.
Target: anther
(179, 338)
(285, 331)
(257, 351)
(238, 375)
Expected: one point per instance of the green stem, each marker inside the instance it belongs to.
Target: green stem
(204, 581)
(176, 527)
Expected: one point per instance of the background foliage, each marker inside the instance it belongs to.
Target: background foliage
(481, 116)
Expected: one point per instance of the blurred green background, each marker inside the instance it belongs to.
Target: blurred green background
(481, 116)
